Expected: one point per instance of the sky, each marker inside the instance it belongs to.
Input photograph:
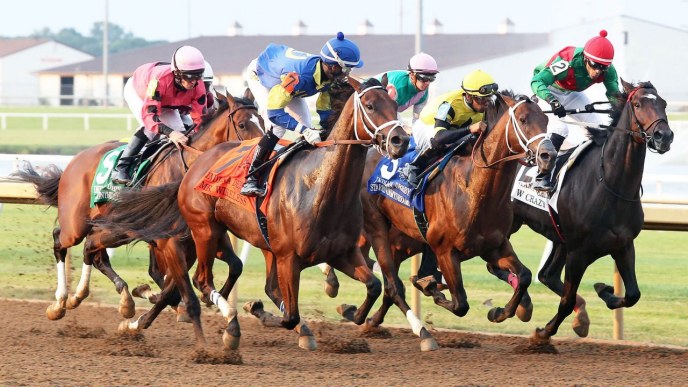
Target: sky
(175, 20)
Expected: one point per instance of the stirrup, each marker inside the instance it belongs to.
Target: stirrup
(122, 177)
(251, 188)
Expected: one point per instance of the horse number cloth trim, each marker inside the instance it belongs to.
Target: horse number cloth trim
(559, 67)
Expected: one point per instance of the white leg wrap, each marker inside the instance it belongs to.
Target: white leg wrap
(221, 303)
(134, 325)
(85, 278)
(61, 292)
(416, 325)
(325, 268)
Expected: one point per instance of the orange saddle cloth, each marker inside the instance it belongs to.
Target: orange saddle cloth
(225, 179)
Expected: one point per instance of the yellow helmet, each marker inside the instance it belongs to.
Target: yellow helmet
(479, 83)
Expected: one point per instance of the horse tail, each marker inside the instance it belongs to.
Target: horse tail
(46, 183)
(145, 215)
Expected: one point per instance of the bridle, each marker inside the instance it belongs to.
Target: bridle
(368, 124)
(523, 141)
(231, 121)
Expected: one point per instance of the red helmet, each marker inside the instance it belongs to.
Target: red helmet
(599, 49)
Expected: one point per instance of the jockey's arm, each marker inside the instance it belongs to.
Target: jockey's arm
(278, 99)
(540, 82)
(611, 83)
(323, 107)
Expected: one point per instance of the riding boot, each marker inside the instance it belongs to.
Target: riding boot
(264, 148)
(543, 180)
(133, 148)
(416, 167)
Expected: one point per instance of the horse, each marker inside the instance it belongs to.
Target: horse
(314, 215)
(599, 208)
(235, 119)
(469, 213)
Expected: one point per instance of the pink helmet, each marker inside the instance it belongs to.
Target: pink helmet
(188, 60)
(423, 63)
(599, 49)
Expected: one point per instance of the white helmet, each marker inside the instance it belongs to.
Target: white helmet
(208, 75)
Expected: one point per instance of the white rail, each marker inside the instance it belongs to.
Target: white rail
(86, 117)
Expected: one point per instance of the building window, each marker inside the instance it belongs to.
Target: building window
(67, 91)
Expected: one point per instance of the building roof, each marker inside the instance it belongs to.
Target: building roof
(11, 46)
(231, 54)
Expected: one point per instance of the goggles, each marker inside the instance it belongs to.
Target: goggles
(598, 66)
(485, 89)
(425, 77)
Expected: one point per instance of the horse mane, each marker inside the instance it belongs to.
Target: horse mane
(223, 107)
(618, 105)
(497, 107)
(339, 91)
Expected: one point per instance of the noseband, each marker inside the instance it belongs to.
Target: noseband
(230, 118)
(358, 105)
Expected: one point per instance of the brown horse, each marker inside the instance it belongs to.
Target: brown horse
(314, 215)
(599, 207)
(236, 119)
(469, 213)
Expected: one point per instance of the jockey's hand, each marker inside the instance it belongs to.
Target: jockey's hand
(311, 135)
(477, 127)
(557, 108)
(178, 138)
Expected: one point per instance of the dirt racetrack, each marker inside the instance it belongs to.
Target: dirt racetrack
(83, 349)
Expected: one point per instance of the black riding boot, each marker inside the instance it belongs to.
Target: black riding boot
(265, 147)
(543, 180)
(133, 148)
(416, 167)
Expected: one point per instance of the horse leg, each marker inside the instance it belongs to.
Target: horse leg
(576, 264)
(625, 262)
(524, 311)
(226, 254)
(505, 258)
(94, 250)
(449, 261)
(58, 309)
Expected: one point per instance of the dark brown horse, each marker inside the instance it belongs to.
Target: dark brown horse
(69, 191)
(469, 213)
(599, 207)
(314, 215)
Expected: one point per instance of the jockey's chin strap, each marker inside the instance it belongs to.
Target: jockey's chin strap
(358, 106)
(523, 140)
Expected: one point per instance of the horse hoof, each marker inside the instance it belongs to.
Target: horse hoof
(308, 342)
(429, 344)
(539, 337)
(230, 342)
(525, 313)
(55, 314)
(73, 302)
(331, 284)
(496, 315)
(347, 311)
(581, 323)
(183, 315)
(141, 290)
(126, 327)
(127, 307)
(603, 290)
(252, 307)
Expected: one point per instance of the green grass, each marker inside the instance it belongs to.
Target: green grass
(27, 270)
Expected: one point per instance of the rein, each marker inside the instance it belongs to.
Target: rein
(358, 105)
(523, 141)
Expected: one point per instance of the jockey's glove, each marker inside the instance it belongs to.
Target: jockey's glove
(557, 108)
(311, 135)
(178, 137)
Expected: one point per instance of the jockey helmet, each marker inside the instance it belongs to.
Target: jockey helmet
(341, 51)
(208, 75)
(599, 49)
(188, 62)
(479, 83)
(423, 63)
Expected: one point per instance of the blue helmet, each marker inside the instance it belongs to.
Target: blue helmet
(341, 51)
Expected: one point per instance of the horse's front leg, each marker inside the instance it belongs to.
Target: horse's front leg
(356, 268)
(288, 270)
(58, 309)
(576, 264)
(519, 278)
(449, 262)
(625, 262)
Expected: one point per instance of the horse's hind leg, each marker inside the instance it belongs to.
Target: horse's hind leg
(58, 309)
(524, 311)
(505, 258)
(625, 262)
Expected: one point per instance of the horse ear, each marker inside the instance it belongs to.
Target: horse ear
(384, 81)
(627, 86)
(535, 98)
(221, 93)
(248, 94)
(230, 99)
(354, 83)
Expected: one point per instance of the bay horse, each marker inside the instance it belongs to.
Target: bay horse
(69, 191)
(599, 208)
(314, 214)
(469, 213)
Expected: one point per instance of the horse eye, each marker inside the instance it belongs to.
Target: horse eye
(522, 120)
(242, 125)
(369, 106)
(637, 104)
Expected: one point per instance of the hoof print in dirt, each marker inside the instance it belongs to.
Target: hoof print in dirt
(221, 357)
(345, 346)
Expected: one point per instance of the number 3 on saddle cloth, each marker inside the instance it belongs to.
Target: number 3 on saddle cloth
(102, 187)
(523, 186)
(228, 174)
(386, 180)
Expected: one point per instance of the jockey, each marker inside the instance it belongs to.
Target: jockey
(211, 101)
(410, 87)
(162, 96)
(450, 117)
(560, 82)
(280, 78)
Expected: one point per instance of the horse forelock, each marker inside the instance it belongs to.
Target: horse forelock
(370, 82)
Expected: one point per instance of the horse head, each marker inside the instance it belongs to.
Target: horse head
(526, 128)
(236, 119)
(375, 118)
(647, 112)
